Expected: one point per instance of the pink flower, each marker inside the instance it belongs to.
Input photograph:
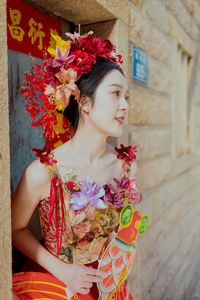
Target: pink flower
(113, 196)
(62, 58)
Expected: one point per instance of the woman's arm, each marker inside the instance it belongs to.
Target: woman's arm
(33, 187)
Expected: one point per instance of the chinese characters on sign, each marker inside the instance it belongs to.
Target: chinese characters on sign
(29, 30)
(16, 31)
(36, 32)
(140, 65)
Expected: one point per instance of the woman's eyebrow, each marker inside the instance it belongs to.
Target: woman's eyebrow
(116, 84)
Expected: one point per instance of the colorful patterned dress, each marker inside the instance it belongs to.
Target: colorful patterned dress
(76, 220)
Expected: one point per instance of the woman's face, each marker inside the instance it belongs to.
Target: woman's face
(110, 104)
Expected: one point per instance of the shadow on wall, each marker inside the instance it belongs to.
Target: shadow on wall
(22, 137)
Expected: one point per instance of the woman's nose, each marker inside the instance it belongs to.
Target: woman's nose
(124, 104)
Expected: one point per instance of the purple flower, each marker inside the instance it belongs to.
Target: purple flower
(113, 196)
(62, 59)
(53, 66)
(90, 193)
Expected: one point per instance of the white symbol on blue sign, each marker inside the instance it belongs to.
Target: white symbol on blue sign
(140, 65)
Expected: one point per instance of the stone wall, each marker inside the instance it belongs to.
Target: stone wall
(168, 260)
(5, 243)
(168, 257)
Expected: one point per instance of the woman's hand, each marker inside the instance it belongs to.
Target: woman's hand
(79, 277)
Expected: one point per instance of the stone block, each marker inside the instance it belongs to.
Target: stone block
(184, 276)
(196, 116)
(176, 218)
(197, 135)
(177, 32)
(164, 259)
(193, 175)
(194, 30)
(160, 78)
(167, 271)
(74, 11)
(179, 185)
(158, 14)
(137, 3)
(119, 8)
(189, 5)
(196, 11)
(5, 224)
(148, 109)
(151, 173)
(148, 38)
(160, 199)
(151, 142)
(184, 18)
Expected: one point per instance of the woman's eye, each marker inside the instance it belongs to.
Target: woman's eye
(127, 99)
(117, 93)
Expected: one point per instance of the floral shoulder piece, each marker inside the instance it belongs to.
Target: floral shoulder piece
(100, 196)
(45, 155)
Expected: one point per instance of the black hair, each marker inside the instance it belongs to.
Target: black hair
(87, 84)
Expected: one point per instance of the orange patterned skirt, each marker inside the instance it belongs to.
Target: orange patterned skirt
(45, 286)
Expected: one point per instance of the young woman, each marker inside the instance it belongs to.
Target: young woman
(79, 186)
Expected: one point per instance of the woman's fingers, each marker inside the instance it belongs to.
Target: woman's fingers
(92, 278)
(87, 284)
(83, 291)
(96, 272)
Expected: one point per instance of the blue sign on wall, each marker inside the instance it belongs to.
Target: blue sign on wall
(140, 65)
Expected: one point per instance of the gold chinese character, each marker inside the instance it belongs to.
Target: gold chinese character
(52, 42)
(16, 31)
(35, 32)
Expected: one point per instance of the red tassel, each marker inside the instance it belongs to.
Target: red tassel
(57, 229)
(56, 182)
(52, 201)
(62, 209)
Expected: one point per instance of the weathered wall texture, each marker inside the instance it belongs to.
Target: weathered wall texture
(5, 245)
(168, 258)
(163, 122)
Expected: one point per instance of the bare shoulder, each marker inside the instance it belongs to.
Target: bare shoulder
(36, 178)
(36, 172)
(32, 188)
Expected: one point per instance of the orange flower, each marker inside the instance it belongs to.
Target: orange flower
(68, 86)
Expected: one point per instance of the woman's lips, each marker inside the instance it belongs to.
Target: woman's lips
(120, 120)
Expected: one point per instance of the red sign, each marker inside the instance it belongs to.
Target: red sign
(28, 29)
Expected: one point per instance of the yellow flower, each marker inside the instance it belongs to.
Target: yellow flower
(59, 105)
(62, 44)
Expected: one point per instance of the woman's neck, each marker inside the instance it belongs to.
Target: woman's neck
(88, 146)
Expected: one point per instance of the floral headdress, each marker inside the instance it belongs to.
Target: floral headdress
(57, 82)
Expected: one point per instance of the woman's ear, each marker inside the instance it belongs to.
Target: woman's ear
(85, 104)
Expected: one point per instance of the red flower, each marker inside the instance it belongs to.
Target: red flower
(45, 155)
(126, 153)
(83, 62)
(72, 186)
